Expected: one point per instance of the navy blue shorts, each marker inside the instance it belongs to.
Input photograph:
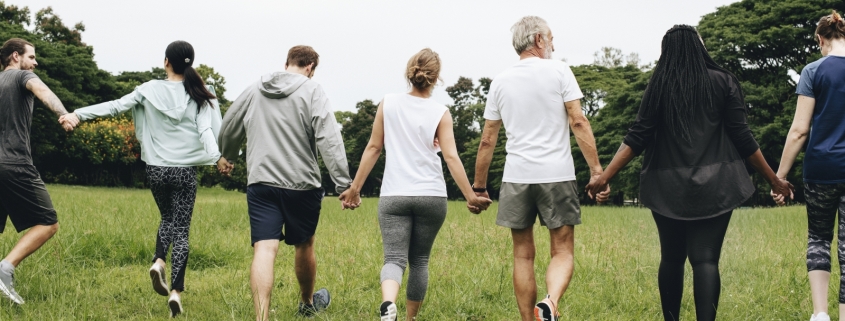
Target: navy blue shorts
(273, 208)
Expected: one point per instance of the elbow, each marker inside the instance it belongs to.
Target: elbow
(487, 143)
(579, 123)
(375, 149)
(797, 134)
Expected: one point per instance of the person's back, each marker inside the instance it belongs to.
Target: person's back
(530, 97)
(826, 149)
(289, 116)
(412, 167)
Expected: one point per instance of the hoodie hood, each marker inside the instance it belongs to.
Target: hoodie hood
(280, 84)
(168, 97)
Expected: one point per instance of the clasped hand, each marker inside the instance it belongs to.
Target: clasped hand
(780, 189)
(598, 189)
(69, 121)
(225, 167)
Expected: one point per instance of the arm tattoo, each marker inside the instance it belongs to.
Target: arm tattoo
(55, 104)
(46, 96)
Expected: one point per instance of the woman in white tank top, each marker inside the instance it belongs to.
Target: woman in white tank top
(412, 206)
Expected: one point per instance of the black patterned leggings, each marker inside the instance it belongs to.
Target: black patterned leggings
(822, 202)
(174, 190)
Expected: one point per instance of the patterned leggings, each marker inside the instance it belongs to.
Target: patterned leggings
(174, 190)
(822, 202)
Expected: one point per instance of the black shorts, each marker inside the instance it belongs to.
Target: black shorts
(271, 208)
(24, 198)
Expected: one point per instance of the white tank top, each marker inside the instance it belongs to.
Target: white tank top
(412, 166)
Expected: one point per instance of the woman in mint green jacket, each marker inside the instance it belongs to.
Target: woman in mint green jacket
(175, 121)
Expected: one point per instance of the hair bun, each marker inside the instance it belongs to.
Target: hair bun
(836, 17)
(423, 69)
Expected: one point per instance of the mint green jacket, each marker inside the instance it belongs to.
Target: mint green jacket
(167, 124)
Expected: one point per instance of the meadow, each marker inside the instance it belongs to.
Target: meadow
(96, 266)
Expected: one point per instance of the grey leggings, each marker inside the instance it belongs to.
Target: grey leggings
(409, 225)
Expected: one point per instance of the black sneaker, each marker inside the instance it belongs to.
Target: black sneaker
(543, 312)
(388, 311)
(306, 310)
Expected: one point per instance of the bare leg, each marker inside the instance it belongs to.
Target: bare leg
(413, 308)
(524, 284)
(562, 264)
(261, 276)
(31, 241)
(389, 290)
(819, 281)
(306, 269)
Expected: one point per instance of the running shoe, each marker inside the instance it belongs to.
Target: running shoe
(544, 312)
(157, 276)
(388, 311)
(321, 300)
(7, 287)
(175, 303)
(821, 316)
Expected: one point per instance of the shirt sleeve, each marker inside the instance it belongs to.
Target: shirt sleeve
(736, 124)
(25, 77)
(232, 132)
(569, 85)
(492, 110)
(329, 141)
(110, 108)
(209, 142)
(642, 131)
(805, 83)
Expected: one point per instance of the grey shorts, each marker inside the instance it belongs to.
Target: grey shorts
(556, 203)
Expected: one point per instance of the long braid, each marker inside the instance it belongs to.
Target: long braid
(680, 84)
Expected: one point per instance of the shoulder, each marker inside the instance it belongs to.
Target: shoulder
(813, 66)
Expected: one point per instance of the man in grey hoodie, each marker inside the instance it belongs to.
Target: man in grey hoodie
(286, 119)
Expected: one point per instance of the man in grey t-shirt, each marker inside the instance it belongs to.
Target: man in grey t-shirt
(25, 199)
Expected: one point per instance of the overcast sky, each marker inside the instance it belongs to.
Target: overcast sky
(363, 44)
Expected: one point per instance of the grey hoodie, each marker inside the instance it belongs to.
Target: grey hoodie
(285, 118)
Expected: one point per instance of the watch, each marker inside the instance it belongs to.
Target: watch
(479, 189)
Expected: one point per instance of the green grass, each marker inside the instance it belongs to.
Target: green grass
(96, 267)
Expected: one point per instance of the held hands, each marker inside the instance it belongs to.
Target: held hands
(351, 199)
(225, 167)
(780, 189)
(479, 202)
(69, 121)
(598, 188)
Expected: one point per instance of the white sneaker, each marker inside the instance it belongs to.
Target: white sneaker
(388, 311)
(157, 277)
(821, 316)
(175, 304)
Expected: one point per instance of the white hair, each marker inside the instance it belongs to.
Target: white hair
(526, 29)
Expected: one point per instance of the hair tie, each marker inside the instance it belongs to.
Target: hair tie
(187, 60)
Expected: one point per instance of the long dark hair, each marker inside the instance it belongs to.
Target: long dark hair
(680, 84)
(180, 54)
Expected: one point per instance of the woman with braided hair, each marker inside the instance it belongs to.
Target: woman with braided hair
(176, 120)
(821, 102)
(692, 126)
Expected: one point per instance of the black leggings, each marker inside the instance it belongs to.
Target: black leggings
(701, 242)
(174, 190)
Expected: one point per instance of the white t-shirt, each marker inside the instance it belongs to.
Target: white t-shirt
(528, 98)
(412, 167)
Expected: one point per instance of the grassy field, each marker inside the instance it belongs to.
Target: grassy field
(96, 267)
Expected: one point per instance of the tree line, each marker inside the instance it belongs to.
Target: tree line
(764, 42)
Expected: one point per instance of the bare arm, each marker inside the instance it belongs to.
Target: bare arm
(37, 87)
(583, 132)
(797, 134)
(485, 151)
(446, 135)
(351, 198)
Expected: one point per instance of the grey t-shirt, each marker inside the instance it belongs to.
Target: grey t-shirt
(16, 103)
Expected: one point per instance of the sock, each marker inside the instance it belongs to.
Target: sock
(7, 267)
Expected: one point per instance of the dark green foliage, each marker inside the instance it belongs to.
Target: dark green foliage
(761, 41)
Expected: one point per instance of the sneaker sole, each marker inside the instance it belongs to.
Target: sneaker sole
(9, 294)
(175, 308)
(158, 286)
(538, 315)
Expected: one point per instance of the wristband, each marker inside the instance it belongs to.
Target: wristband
(479, 189)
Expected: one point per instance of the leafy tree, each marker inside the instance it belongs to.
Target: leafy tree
(761, 41)
(356, 130)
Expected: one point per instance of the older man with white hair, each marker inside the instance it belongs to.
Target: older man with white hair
(538, 101)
